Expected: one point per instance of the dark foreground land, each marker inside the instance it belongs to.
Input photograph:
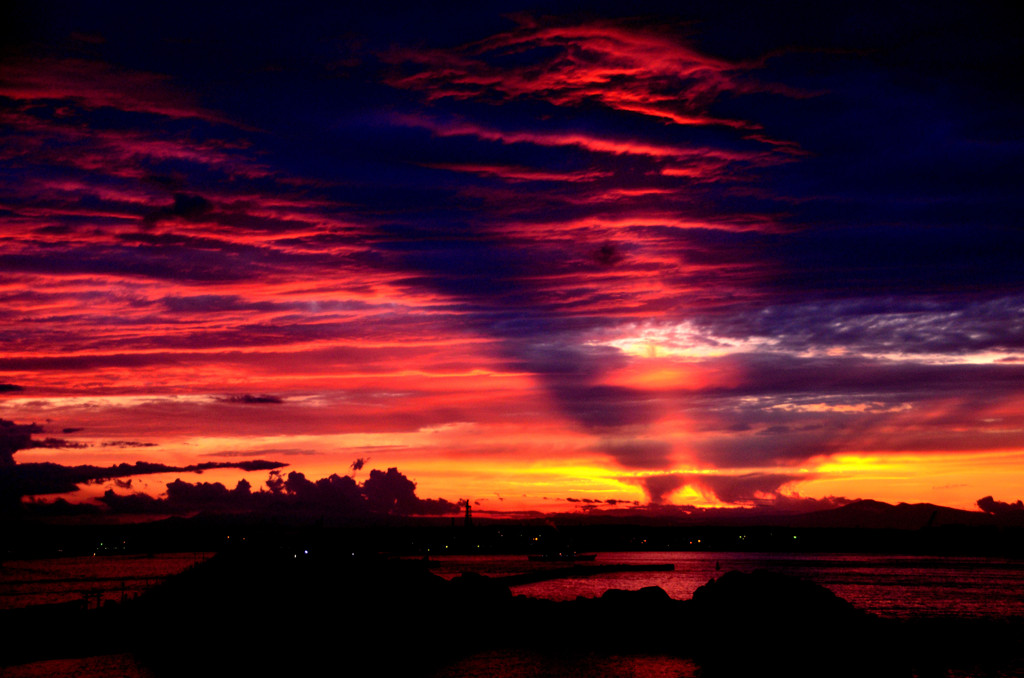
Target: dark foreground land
(259, 612)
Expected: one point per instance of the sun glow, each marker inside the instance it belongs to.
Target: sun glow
(680, 340)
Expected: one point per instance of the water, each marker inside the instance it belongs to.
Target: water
(102, 666)
(889, 585)
(893, 586)
(896, 586)
(519, 663)
(92, 578)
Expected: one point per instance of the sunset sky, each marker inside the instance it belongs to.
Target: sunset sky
(708, 254)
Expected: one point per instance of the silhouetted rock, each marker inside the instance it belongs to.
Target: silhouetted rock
(765, 621)
(738, 595)
(292, 613)
(648, 595)
(282, 611)
(475, 588)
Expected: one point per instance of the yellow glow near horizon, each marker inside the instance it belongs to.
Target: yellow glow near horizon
(949, 479)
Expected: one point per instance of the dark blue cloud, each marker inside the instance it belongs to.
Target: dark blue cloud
(877, 150)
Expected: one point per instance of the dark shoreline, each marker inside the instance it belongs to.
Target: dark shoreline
(242, 610)
(28, 539)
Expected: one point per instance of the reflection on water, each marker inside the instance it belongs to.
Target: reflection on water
(888, 585)
(100, 578)
(102, 666)
(532, 664)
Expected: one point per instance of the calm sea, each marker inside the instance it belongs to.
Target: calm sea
(888, 585)
(94, 579)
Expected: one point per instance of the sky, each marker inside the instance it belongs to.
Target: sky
(543, 257)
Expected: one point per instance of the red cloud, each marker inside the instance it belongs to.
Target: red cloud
(97, 85)
(624, 69)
